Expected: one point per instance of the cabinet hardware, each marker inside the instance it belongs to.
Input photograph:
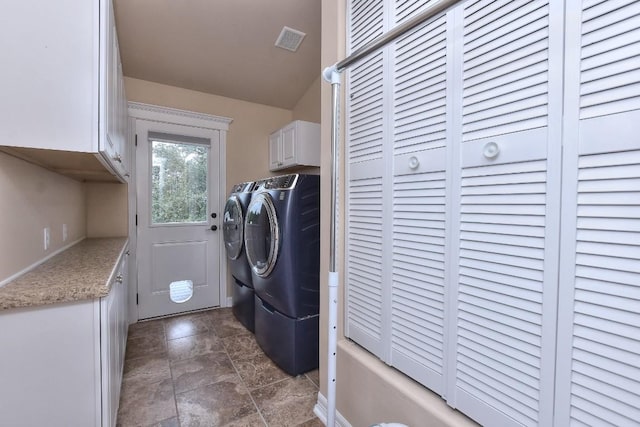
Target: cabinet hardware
(491, 150)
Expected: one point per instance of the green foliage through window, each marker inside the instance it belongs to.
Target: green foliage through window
(178, 183)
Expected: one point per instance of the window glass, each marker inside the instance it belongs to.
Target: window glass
(178, 182)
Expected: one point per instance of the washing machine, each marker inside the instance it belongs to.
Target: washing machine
(282, 241)
(233, 232)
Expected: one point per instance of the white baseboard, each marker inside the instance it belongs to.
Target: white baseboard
(321, 412)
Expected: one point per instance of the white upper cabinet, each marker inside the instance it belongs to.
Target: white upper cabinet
(113, 115)
(297, 144)
(63, 86)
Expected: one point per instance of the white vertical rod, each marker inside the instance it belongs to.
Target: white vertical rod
(332, 348)
(331, 75)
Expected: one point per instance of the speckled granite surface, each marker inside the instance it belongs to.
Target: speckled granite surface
(81, 272)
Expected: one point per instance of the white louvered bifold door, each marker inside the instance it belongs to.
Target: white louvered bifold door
(364, 187)
(419, 199)
(507, 216)
(598, 368)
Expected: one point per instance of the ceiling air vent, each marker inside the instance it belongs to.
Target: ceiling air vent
(290, 39)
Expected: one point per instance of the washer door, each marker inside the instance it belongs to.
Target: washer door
(233, 227)
(262, 235)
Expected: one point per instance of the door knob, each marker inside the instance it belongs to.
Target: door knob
(214, 227)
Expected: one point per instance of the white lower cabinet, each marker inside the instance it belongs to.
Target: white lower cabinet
(114, 324)
(61, 364)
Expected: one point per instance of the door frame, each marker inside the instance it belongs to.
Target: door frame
(156, 113)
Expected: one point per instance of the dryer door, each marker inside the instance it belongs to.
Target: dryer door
(262, 235)
(233, 227)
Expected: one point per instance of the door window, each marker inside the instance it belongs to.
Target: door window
(262, 235)
(178, 182)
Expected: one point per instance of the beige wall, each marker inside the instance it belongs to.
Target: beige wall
(33, 198)
(308, 107)
(248, 136)
(106, 206)
(368, 391)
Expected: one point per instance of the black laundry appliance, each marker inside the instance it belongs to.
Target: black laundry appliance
(282, 240)
(233, 232)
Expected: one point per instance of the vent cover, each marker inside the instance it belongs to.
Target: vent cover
(290, 39)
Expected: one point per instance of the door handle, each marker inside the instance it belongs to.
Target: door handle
(214, 227)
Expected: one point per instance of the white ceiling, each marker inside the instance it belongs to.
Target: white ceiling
(222, 47)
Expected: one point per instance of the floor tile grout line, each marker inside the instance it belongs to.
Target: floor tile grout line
(173, 383)
(245, 385)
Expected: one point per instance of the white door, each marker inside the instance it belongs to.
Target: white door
(178, 204)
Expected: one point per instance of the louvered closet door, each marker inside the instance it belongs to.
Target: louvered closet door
(507, 213)
(364, 188)
(599, 325)
(419, 199)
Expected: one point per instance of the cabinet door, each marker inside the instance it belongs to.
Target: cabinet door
(289, 142)
(50, 66)
(109, 138)
(507, 214)
(420, 198)
(112, 138)
(365, 321)
(113, 336)
(109, 355)
(275, 151)
(599, 321)
(124, 150)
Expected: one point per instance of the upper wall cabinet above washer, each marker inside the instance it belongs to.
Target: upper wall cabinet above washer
(296, 144)
(62, 81)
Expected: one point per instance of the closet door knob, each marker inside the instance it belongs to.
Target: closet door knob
(491, 150)
(413, 162)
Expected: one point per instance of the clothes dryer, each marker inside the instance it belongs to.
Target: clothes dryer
(282, 240)
(233, 232)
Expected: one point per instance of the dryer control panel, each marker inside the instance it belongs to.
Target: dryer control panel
(245, 187)
(284, 182)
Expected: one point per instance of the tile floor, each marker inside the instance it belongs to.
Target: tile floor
(206, 369)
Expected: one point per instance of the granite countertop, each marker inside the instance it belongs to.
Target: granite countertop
(81, 272)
